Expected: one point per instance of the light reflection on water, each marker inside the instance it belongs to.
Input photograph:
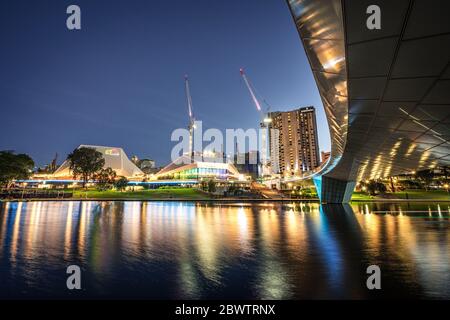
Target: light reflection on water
(185, 250)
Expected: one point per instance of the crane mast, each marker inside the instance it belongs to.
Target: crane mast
(191, 126)
(250, 89)
(189, 100)
(264, 122)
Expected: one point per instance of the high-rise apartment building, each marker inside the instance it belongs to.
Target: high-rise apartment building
(294, 146)
(324, 156)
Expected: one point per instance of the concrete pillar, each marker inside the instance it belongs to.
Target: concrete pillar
(332, 190)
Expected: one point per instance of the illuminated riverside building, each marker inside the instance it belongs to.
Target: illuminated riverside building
(181, 172)
(293, 144)
(198, 170)
(115, 158)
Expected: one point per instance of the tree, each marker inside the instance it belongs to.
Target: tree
(392, 184)
(204, 185)
(211, 186)
(381, 187)
(85, 163)
(426, 176)
(445, 172)
(232, 189)
(105, 178)
(14, 167)
(121, 184)
(371, 187)
(375, 186)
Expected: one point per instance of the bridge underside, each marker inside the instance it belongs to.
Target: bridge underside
(386, 92)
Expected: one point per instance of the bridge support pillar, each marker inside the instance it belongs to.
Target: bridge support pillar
(332, 190)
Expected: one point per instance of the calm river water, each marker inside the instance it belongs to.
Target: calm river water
(186, 250)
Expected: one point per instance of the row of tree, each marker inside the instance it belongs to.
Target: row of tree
(85, 163)
(373, 187)
(107, 178)
(208, 186)
(422, 179)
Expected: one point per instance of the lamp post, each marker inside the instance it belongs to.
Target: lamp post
(446, 186)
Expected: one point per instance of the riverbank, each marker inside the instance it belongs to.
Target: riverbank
(183, 194)
(191, 194)
(225, 200)
(407, 195)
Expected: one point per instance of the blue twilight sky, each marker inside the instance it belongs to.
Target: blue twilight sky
(119, 81)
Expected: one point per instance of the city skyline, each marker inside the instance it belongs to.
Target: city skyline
(127, 90)
(224, 158)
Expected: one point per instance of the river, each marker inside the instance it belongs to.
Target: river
(188, 250)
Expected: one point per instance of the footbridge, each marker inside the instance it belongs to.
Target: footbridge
(385, 89)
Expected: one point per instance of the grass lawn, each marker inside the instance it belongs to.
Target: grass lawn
(194, 194)
(175, 193)
(407, 194)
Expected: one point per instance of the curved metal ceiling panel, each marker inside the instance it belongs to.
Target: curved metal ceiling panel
(320, 27)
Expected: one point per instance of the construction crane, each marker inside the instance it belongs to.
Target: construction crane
(251, 89)
(265, 121)
(268, 160)
(191, 126)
